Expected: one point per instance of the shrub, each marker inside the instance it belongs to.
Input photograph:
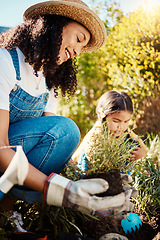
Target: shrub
(147, 180)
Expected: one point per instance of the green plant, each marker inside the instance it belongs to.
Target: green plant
(72, 172)
(108, 152)
(3, 235)
(147, 183)
(154, 150)
(51, 220)
(146, 175)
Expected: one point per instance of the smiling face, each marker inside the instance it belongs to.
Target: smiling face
(74, 38)
(118, 122)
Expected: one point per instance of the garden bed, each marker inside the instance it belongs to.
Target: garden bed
(95, 229)
(148, 231)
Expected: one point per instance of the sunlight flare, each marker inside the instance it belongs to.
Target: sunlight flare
(149, 4)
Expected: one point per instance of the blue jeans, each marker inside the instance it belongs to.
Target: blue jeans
(48, 143)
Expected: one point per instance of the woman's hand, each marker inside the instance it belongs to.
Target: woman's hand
(81, 195)
(138, 153)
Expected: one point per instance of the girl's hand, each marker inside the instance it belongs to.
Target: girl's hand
(138, 153)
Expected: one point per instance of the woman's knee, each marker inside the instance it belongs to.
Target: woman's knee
(72, 131)
(65, 130)
(61, 140)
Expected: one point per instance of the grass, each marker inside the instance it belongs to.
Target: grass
(146, 177)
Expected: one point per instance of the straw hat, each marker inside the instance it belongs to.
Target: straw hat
(76, 10)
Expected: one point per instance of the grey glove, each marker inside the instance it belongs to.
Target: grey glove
(130, 192)
(80, 195)
(122, 212)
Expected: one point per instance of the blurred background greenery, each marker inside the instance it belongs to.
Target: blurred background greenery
(129, 61)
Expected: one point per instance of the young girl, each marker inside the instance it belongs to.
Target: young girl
(115, 108)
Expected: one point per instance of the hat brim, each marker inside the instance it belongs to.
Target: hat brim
(76, 11)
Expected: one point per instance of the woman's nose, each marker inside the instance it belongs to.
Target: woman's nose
(77, 50)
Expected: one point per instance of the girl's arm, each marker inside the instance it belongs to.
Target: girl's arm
(138, 153)
(35, 179)
(137, 138)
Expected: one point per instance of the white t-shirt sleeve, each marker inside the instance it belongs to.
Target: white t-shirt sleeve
(7, 78)
(52, 102)
(8, 81)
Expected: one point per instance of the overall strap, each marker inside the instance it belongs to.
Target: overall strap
(14, 55)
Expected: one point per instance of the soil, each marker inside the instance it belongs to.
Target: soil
(148, 231)
(113, 177)
(94, 229)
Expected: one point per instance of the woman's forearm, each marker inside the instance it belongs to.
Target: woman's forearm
(34, 180)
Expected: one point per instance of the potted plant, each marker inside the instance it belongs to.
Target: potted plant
(109, 156)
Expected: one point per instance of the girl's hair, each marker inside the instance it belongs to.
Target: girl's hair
(40, 40)
(111, 102)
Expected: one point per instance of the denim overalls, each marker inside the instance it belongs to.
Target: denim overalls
(48, 142)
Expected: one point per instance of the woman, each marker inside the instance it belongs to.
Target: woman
(36, 59)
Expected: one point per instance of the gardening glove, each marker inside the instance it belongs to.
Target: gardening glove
(130, 192)
(126, 178)
(80, 195)
(122, 212)
(16, 172)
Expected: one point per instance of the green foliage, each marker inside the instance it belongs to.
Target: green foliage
(132, 54)
(129, 61)
(147, 183)
(154, 150)
(72, 172)
(51, 220)
(108, 152)
(147, 180)
(114, 13)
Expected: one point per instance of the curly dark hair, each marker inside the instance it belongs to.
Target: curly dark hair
(40, 39)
